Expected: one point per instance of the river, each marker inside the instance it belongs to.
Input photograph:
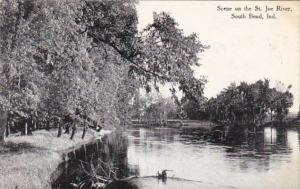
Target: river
(198, 158)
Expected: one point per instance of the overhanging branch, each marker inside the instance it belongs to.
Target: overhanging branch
(128, 58)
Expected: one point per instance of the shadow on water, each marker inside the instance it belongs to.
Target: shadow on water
(195, 155)
(79, 163)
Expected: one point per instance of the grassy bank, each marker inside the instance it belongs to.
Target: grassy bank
(26, 162)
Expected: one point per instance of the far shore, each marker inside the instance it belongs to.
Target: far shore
(290, 122)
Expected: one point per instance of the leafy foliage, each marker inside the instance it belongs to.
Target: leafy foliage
(155, 109)
(249, 103)
(84, 60)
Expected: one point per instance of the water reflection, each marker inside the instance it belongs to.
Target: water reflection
(240, 159)
(236, 159)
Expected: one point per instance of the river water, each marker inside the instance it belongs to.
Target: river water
(199, 158)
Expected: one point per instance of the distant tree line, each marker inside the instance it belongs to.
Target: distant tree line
(154, 109)
(79, 63)
(244, 104)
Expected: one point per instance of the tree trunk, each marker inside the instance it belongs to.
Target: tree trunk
(30, 127)
(7, 129)
(67, 129)
(73, 131)
(59, 130)
(48, 125)
(37, 125)
(84, 130)
(7, 133)
(3, 122)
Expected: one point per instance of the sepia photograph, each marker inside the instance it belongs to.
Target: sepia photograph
(149, 94)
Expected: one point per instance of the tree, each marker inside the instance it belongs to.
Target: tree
(282, 104)
(160, 53)
(3, 122)
(80, 59)
(193, 109)
(126, 100)
(249, 104)
(157, 109)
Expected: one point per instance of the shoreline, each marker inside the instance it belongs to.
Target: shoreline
(177, 124)
(35, 157)
(194, 124)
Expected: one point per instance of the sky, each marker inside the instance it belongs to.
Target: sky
(240, 49)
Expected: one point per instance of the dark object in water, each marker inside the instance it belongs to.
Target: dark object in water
(120, 184)
(163, 175)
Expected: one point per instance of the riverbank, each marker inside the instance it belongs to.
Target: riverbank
(27, 162)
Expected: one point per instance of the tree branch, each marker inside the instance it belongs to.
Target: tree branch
(129, 59)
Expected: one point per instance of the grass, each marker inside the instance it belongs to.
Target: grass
(26, 162)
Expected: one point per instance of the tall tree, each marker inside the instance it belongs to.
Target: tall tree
(79, 59)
